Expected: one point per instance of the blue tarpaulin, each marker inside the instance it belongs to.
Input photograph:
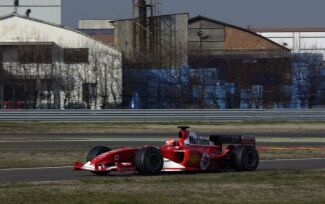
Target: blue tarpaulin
(186, 87)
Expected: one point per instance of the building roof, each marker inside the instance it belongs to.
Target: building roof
(26, 43)
(197, 18)
(55, 25)
(288, 29)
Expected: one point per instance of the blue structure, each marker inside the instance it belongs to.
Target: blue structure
(306, 81)
(207, 88)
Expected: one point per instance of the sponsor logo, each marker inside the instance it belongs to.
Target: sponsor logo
(197, 140)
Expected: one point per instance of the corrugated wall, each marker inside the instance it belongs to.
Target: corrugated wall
(124, 37)
(168, 48)
(240, 40)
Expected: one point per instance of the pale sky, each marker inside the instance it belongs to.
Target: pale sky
(255, 13)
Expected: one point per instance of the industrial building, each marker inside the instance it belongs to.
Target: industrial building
(241, 57)
(160, 41)
(45, 65)
(200, 62)
(48, 10)
(298, 40)
(169, 61)
(211, 37)
(307, 42)
(102, 30)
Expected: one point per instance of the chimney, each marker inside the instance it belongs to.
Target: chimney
(16, 4)
(142, 4)
(28, 11)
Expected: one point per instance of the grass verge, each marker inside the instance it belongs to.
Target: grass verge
(80, 127)
(233, 187)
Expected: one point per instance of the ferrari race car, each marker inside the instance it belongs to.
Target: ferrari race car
(189, 152)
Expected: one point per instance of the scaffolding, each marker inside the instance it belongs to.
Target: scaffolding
(153, 36)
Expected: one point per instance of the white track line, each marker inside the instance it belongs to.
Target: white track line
(122, 139)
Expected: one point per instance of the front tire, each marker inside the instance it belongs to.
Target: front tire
(148, 161)
(93, 153)
(245, 158)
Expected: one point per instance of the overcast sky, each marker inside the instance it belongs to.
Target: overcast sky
(255, 13)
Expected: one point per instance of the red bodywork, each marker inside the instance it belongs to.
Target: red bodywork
(178, 156)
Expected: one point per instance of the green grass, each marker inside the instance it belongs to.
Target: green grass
(291, 154)
(233, 187)
(102, 127)
(40, 158)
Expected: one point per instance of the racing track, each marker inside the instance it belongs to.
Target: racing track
(85, 141)
(66, 173)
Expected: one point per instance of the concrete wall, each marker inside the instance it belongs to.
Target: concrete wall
(123, 37)
(95, 24)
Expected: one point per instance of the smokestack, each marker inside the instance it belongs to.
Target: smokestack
(143, 26)
(16, 4)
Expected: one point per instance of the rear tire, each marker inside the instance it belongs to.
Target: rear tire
(245, 158)
(148, 161)
(93, 153)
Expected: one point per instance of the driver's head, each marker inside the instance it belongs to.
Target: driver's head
(183, 135)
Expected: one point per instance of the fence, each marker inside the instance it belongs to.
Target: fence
(170, 115)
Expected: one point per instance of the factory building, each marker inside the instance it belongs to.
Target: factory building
(212, 37)
(304, 42)
(254, 66)
(298, 40)
(205, 63)
(48, 10)
(209, 64)
(45, 65)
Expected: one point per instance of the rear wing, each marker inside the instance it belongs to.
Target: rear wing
(232, 139)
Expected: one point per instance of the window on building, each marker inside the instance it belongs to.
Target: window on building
(28, 54)
(76, 56)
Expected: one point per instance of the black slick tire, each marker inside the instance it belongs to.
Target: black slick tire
(245, 158)
(148, 161)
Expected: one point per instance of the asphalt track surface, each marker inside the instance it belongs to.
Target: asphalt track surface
(86, 140)
(66, 173)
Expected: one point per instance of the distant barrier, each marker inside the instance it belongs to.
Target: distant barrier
(170, 115)
(11, 105)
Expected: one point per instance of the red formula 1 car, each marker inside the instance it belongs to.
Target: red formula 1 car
(189, 153)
